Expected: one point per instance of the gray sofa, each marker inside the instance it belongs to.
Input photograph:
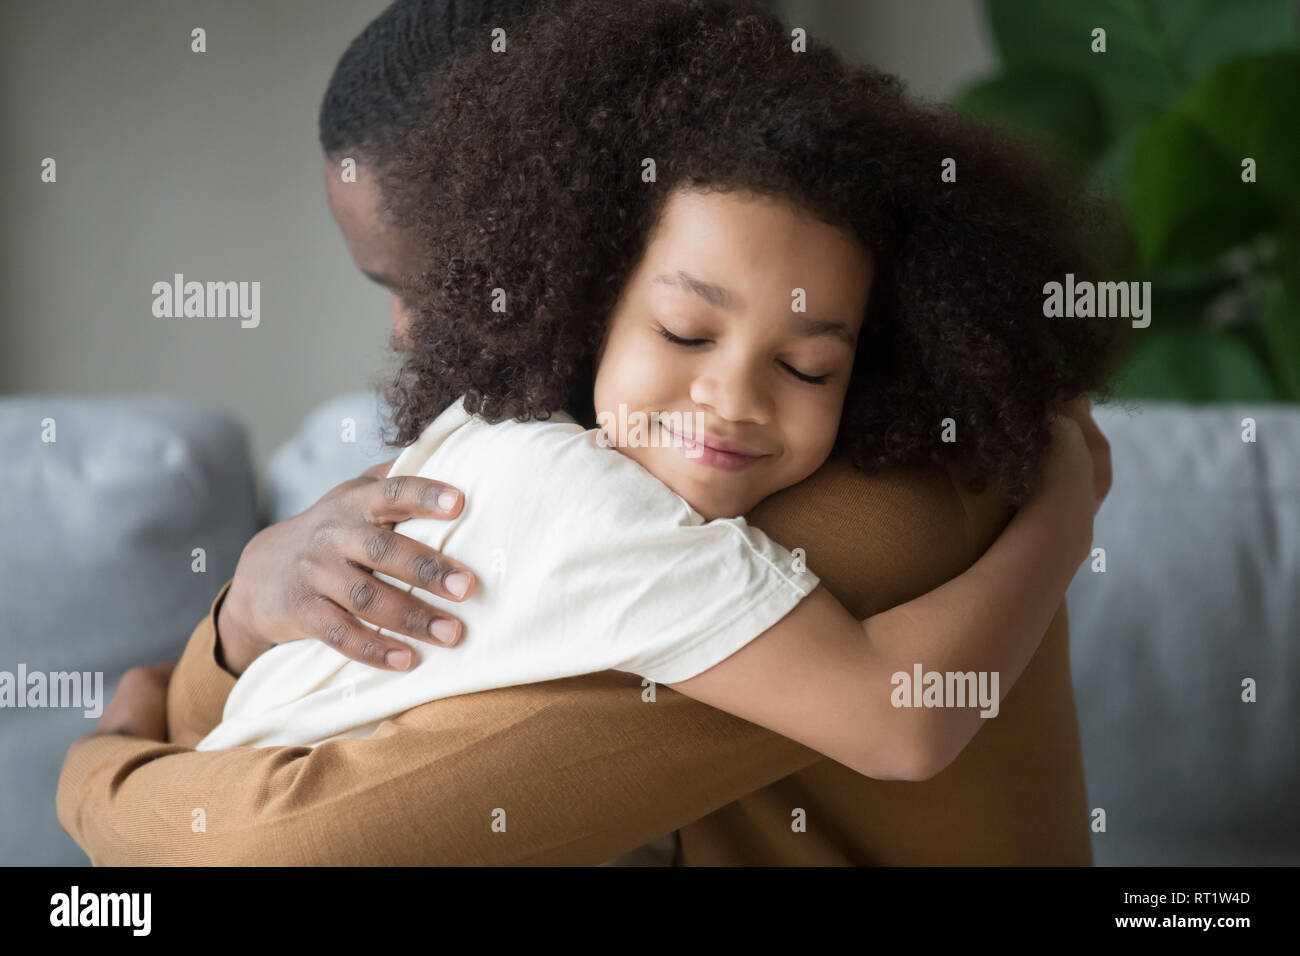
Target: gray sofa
(1201, 590)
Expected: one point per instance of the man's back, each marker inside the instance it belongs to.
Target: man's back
(1015, 795)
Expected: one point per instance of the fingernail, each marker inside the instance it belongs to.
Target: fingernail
(457, 583)
(398, 660)
(447, 500)
(443, 630)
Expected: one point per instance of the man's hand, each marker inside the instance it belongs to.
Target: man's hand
(138, 707)
(305, 577)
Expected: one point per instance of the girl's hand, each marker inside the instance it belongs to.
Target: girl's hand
(1067, 482)
(1081, 411)
(307, 576)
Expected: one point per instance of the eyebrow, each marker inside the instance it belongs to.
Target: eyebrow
(719, 297)
(711, 293)
(812, 327)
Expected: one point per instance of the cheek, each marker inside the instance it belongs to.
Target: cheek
(631, 372)
(812, 429)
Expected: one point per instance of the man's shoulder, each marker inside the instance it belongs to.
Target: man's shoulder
(925, 498)
(877, 540)
(839, 495)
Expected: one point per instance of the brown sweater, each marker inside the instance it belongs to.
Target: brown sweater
(582, 770)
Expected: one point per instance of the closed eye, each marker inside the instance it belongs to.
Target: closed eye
(678, 340)
(810, 379)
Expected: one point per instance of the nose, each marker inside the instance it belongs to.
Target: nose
(733, 389)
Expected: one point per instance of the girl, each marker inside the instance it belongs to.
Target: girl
(667, 210)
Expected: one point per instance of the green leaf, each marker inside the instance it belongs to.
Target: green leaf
(1154, 48)
(1185, 294)
(1134, 77)
(1186, 198)
(1279, 319)
(1058, 110)
(1226, 31)
(1111, 169)
(1194, 366)
(1251, 107)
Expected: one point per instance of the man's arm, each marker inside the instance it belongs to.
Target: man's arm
(575, 771)
(583, 768)
(296, 578)
(199, 686)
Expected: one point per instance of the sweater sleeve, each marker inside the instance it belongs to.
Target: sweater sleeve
(428, 786)
(197, 692)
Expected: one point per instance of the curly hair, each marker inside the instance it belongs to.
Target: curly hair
(528, 179)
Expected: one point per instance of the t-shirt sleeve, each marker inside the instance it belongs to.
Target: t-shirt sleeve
(728, 585)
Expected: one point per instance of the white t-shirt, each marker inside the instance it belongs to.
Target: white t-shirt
(584, 562)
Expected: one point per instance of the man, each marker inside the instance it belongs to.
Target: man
(567, 772)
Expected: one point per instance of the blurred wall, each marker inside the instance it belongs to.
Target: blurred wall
(936, 46)
(172, 161)
(207, 164)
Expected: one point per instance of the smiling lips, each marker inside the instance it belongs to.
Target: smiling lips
(724, 455)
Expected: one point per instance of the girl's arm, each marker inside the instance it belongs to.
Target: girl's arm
(824, 679)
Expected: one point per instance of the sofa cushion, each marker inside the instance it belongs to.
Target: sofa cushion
(99, 529)
(338, 441)
(1201, 591)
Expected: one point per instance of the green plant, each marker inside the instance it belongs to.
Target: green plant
(1163, 121)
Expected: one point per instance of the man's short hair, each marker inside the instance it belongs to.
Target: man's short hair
(378, 87)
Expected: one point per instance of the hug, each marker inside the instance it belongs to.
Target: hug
(532, 642)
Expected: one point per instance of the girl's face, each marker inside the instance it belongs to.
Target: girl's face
(740, 323)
